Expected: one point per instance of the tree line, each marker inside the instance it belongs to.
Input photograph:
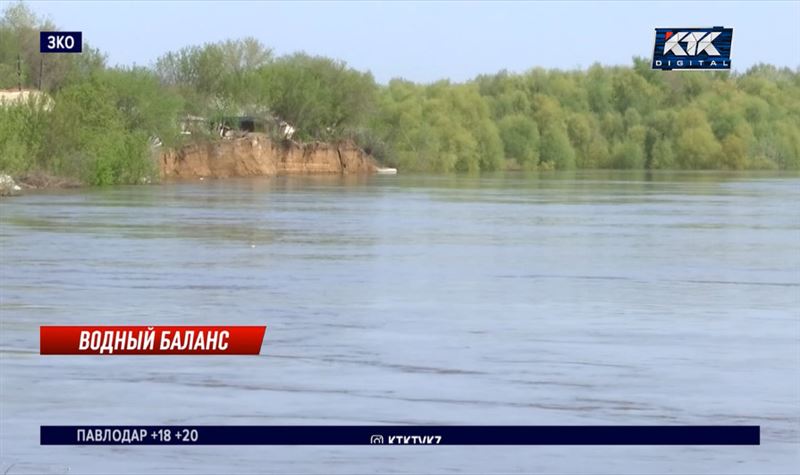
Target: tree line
(102, 118)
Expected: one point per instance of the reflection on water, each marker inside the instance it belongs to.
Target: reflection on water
(556, 299)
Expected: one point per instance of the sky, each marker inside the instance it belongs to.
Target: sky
(428, 41)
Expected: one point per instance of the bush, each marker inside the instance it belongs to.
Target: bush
(22, 130)
(520, 139)
(556, 149)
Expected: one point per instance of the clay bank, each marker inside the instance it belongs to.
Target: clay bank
(256, 154)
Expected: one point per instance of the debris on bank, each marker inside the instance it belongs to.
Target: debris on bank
(41, 180)
(8, 187)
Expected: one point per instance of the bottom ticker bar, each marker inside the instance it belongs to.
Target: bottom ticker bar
(400, 435)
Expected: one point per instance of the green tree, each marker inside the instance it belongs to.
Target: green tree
(696, 147)
(321, 97)
(520, 139)
(556, 150)
(663, 155)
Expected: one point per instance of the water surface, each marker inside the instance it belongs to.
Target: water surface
(581, 299)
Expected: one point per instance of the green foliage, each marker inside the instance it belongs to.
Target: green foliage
(442, 127)
(638, 118)
(628, 155)
(216, 77)
(19, 50)
(22, 130)
(663, 156)
(520, 139)
(89, 138)
(556, 150)
(98, 130)
(100, 121)
(144, 105)
(321, 97)
(696, 145)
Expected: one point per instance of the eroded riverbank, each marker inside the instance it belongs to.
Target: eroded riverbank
(256, 154)
(251, 155)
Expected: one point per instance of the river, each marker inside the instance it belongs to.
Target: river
(589, 298)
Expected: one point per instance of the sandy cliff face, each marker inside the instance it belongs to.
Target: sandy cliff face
(257, 155)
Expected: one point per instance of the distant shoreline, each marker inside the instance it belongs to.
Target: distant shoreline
(41, 182)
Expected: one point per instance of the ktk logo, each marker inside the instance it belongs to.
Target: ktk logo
(696, 43)
(693, 48)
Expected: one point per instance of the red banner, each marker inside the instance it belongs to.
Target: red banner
(138, 340)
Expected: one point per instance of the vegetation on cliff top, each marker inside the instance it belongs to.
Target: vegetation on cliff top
(603, 117)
